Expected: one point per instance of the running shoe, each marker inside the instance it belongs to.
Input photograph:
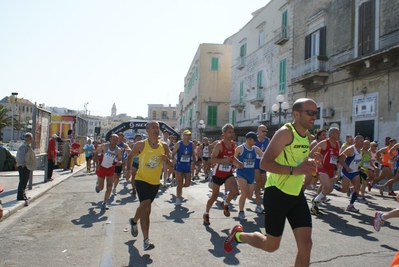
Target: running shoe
(259, 209)
(326, 200)
(148, 245)
(369, 186)
(225, 208)
(230, 242)
(104, 206)
(362, 200)
(114, 192)
(206, 219)
(96, 188)
(352, 208)
(381, 189)
(378, 221)
(178, 202)
(134, 230)
(241, 215)
(391, 193)
(164, 185)
(314, 210)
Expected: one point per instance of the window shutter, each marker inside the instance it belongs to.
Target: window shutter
(307, 46)
(233, 117)
(259, 79)
(323, 43)
(284, 24)
(241, 92)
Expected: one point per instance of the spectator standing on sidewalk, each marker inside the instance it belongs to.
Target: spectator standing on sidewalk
(51, 156)
(26, 162)
(66, 154)
(74, 153)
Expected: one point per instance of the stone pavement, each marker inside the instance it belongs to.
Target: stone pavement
(10, 181)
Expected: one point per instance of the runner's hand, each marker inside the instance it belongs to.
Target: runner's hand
(306, 167)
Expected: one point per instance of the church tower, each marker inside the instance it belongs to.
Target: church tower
(113, 111)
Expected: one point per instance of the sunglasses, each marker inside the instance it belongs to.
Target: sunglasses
(264, 131)
(310, 113)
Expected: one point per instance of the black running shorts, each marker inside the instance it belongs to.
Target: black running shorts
(118, 170)
(280, 206)
(146, 191)
(220, 181)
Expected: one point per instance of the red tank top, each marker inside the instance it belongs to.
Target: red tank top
(224, 170)
(330, 156)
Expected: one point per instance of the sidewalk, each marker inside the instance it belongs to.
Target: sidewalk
(10, 181)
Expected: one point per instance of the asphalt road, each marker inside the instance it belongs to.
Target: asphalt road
(66, 227)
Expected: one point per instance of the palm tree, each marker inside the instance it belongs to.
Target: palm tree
(5, 119)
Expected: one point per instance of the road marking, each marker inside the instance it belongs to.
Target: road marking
(106, 259)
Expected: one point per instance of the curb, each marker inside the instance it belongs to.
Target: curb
(14, 206)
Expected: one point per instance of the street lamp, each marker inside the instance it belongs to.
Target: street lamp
(280, 109)
(12, 100)
(86, 108)
(201, 127)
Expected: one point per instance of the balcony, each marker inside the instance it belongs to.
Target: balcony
(281, 35)
(312, 70)
(238, 104)
(241, 63)
(258, 100)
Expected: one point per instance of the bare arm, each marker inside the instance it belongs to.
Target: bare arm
(322, 145)
(177, 146)
(215, 153)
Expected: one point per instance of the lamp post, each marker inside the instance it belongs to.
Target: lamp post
(12, 100)
(280, 109)
(85, 104)
(201, 127)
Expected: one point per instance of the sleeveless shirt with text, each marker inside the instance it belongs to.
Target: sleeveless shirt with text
(150, 162)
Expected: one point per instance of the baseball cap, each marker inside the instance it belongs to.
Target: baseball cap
(54, 136)
(252, 135)
(186, 132)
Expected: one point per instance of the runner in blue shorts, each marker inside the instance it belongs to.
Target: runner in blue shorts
(246, 154)
(260, 175)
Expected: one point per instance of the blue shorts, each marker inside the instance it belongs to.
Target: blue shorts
(250, 178)
(185, 168)
(349, 175)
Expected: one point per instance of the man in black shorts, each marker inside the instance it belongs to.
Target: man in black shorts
(286, 161)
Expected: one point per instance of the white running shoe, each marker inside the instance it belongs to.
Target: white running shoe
(178, 201)
(378, 221)
(241, 215)
(259, 209)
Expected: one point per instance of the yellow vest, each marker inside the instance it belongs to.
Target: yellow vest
(150, 163)
(292, 155)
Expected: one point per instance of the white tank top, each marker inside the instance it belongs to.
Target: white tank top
(109, 157)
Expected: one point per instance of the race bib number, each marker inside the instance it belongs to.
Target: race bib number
(225, 167)
(249, 164)
(185, 158)
(333, 160)
(366, 163)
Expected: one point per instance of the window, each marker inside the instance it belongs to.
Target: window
(233, 117)
(366, 27)
(241, 92)
(315, 43)
(282, 78)
(196, 72)
(174, 114)
(154, 114)
(243, 53)
(284, 24)
(91, 123)
(212, 115)
(215, 63)
(261, 38)
(259, 79)
(164, 114)
(90, 131)
(194, 111)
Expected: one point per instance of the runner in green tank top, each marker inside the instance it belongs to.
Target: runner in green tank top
(286, 160)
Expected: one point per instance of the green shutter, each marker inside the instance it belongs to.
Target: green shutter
(243, 50)
(212, 115)
(215, 63)
(241, 92)
(191, 114)
(282, 79)
(259, 79)
(284, 24)
(233, 117)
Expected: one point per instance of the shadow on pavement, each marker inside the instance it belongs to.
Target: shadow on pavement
(218, 250)
(179, 213)
(135, 259)
(87, 220)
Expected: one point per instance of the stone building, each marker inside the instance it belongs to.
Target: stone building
(261, 56)
(164, 113)
(206, 91)
(345, 57)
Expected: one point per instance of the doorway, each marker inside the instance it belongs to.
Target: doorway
(365, 128)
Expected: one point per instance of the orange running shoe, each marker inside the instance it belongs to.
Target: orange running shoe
(206, 219)
(225, 208)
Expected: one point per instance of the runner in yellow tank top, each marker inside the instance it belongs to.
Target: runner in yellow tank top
(152, 153)
(285, 159)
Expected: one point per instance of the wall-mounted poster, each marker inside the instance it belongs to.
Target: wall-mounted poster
(364, 106)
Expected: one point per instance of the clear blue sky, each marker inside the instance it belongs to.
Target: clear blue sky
(128, 52)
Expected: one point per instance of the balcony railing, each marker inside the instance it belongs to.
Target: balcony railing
(241, 62)
(281, 35)
(310, 65)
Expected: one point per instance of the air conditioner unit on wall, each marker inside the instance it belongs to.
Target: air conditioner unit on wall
(265, 116)
(259, 118)
(327, 113)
